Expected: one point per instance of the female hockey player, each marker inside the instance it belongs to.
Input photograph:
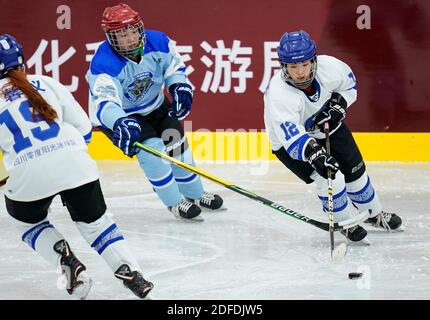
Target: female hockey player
(43, 135)
(307, 92)
(126, 78)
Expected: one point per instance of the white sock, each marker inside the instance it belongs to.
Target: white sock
(105, 237)
(41, 237)
(364, 196)
(341, 207)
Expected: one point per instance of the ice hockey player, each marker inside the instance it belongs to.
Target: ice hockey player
(307, 92)
(43, 135)
(126, 77)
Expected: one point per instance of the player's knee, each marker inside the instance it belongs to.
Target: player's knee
(146, 158)
(155, 143)
(93, 230)
(354, 173)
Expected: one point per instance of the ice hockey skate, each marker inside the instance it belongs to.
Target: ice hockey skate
(187, 210)
(78, 281)
(210, 202)
(386, 221)
(356, 234)
(134, 281)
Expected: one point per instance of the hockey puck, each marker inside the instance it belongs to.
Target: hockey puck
(355, 275)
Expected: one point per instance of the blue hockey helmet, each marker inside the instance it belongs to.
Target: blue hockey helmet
(297, 47)
(11, 54)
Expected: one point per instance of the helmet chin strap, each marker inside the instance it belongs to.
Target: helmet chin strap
(136, 54)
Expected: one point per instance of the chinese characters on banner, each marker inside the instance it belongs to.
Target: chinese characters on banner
(227, 69)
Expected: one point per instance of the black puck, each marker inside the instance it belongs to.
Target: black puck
(355, 275)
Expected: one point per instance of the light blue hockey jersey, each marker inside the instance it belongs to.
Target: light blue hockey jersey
(120, 87)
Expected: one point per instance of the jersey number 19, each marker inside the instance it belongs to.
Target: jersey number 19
(22, 142)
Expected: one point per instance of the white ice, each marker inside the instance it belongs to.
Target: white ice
(246, 252)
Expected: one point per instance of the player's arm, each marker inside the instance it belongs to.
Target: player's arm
(298, 144)
(72, 111)
(344, 94)
(177, 83)
(106, 93)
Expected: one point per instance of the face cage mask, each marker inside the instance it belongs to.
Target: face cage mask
(303, 84)
(113, 35)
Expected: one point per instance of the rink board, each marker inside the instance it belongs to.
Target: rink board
(237, 145)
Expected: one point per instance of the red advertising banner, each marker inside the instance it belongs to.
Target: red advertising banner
(229, 47)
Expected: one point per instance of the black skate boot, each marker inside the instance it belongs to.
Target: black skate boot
(209, 201)
(185, 209)
(386, 220)
(78, 281)
(356, 234)
(134, 281)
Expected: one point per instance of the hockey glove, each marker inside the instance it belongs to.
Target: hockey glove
(126, 131)
(182, 95)
(320, 160)
(333, 112)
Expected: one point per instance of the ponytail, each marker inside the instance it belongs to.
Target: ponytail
(40, 107)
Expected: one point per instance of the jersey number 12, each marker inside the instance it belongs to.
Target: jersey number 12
(290, 129)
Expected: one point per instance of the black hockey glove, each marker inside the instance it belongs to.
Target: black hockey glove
(320, 160)
(333, 112)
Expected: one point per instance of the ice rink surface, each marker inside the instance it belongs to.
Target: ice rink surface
(247, 252)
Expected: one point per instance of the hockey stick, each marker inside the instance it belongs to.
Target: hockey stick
(246, 193)
(329, 191)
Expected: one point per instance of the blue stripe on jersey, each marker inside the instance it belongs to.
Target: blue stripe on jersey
(317, 94)
(295, 150)
(106, 60)
(365, 195)
(107, 237)
(88, 136)
(31, 235)
(99, 112)
(156, 41)
(163, 181)
(146, 105)
(182, 69)
(186, 179)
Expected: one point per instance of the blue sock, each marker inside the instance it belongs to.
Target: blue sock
(159, 173)
(190, 184)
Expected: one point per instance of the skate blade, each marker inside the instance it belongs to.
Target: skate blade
(339, 253)
(192, 220)
(362, 242)
(81, 291)
(222, 208)
(373, 229)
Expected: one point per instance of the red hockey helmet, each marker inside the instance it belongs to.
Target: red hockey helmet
(118, 22)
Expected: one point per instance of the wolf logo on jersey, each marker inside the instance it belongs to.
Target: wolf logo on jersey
(139, 87)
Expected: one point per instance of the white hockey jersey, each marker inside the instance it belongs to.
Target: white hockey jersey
(289, 113)
(119, 86)
(43, 159)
